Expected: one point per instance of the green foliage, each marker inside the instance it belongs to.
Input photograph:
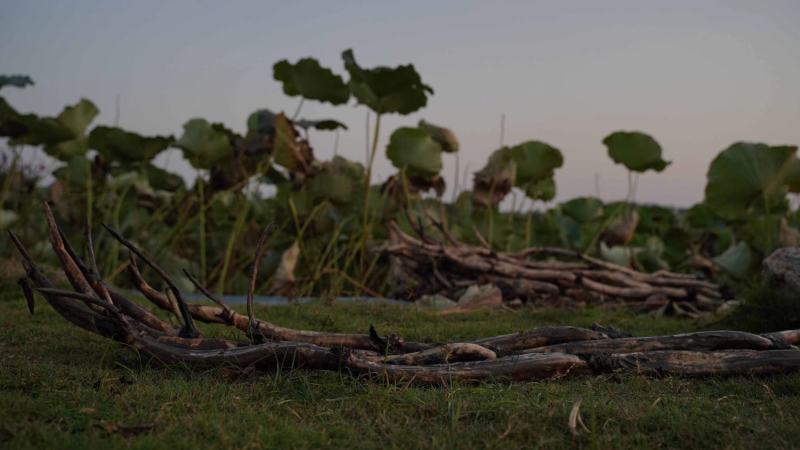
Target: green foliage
(204, 144)
(737, 260)
(19, 81)
(323, 124)
(414, 151)
(766, 307)
(309, 80)
(385, 89)
(535, 161)
(163, 180)
(583, 209)
(127, 147)
(62, 137)
(261, 122)
(635, 150)
(748, 178)
(12, 123)
(75, 171)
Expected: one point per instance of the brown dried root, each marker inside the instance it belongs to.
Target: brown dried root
(548, 352)
(566, 274)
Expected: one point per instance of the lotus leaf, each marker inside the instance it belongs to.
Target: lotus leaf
(386, 89)
(635, 150)
(413, 150)
(308, 79)
(749, 178)
(204, 144)
(126, 147)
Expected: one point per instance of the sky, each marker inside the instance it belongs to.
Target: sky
(697, 75)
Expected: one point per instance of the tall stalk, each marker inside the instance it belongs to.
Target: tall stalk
(237, 228)
(89, 196)
(202, 204)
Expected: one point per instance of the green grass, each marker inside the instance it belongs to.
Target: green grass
(61, 387)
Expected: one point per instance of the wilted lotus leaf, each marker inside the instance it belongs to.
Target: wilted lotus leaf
(444, 136)
(749, 178)
(19, 81)
(126, 147)
(386, 89)
(414, 151)
(284, 279)
(529, 166)
(637, 151)
(308, 79)
(204, 144)
(492, 183)
(583, 209)
(289, 150)
(622, 230)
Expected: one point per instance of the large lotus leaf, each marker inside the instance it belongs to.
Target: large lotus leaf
(62, 137)
(163, 180)
(126, 147)
(500, 163)
(261, 122)
(75, 171)
(535, 161)
(308, 79)
(67, 149)
(748, 178)
(444, 136)
(78, 116)
(12, 123)
(386, 89)
(637, 151)
(583, 209)
(736, 260)
(415, 151)
(544, 189)
(322, 124)
(204, 144)
(45, 131)
(19, 81)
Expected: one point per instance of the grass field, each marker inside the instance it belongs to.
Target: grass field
(61, 387)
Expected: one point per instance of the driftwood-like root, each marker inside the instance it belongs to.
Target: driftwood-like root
(566, 274)
(543, 353)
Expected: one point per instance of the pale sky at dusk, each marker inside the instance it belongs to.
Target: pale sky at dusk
(697, 75)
